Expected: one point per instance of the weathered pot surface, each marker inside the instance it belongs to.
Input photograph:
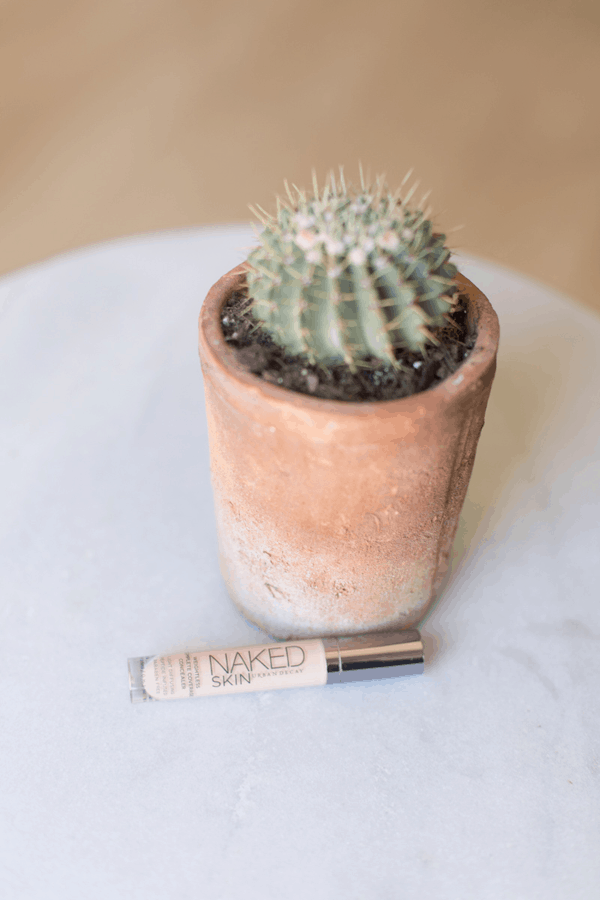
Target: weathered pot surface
(335, 517)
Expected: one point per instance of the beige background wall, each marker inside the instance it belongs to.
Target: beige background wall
(124, 116)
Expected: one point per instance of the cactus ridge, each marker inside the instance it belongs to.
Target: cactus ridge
(349, 274)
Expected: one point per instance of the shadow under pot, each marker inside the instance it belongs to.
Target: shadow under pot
(333, 517)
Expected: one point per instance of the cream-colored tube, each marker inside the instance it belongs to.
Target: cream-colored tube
(208, 673)
(264, 667)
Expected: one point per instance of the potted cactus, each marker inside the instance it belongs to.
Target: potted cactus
(337, 506)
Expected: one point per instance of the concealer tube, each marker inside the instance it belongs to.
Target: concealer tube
(268, 667)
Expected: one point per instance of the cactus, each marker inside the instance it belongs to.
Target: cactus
(350, 275)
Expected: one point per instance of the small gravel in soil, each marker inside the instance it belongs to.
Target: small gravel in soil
(258, 353)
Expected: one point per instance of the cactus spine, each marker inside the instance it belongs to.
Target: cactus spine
(347, 275)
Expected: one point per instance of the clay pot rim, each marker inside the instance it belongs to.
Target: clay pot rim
(220, 355)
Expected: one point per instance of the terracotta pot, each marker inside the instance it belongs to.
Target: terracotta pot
(334, 517)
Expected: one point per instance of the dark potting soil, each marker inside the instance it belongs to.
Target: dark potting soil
(258, 353)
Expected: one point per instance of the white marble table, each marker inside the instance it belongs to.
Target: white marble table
(478, 779)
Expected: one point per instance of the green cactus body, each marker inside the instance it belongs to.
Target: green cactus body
(350, 275)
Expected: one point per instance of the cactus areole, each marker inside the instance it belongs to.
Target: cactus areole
(349, 275)
(338, 517)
